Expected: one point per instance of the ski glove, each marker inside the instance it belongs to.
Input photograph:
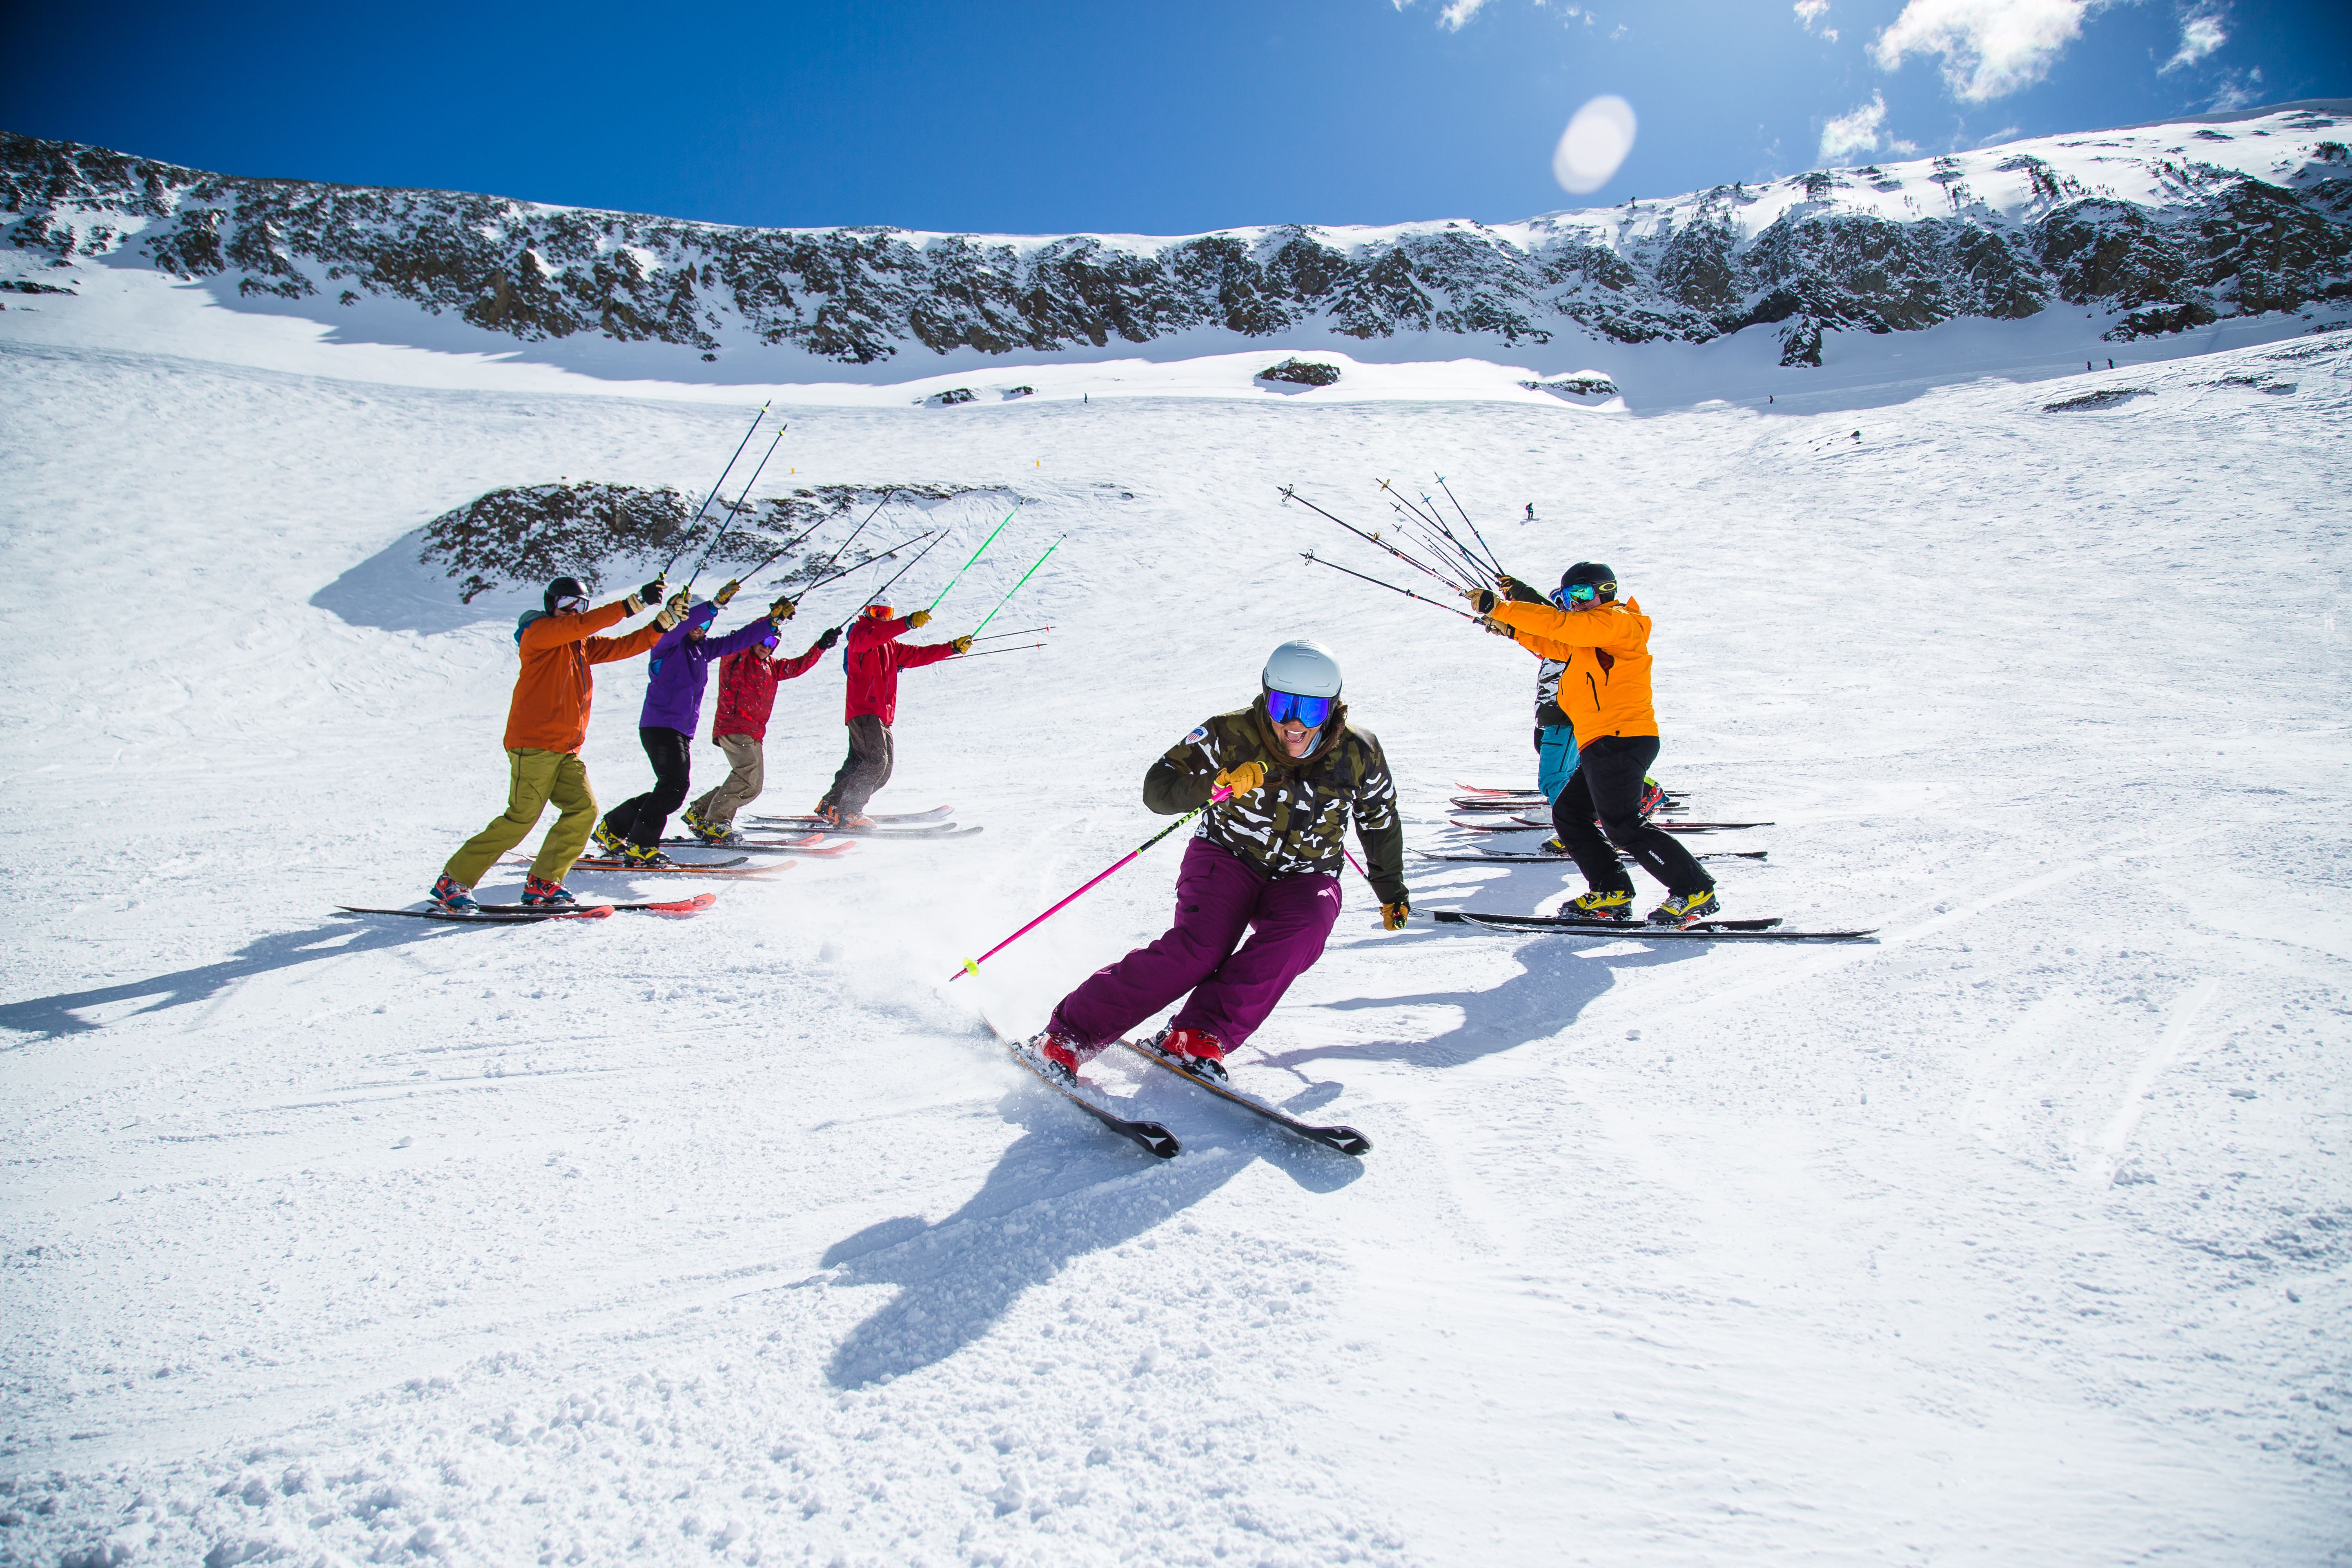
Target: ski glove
(1243, 779)
(783, 610)
(1392, 916)
(725, 593)
(650, 594)
(920, 619)
(832, 635)
(1519, 591)
(1483, 600)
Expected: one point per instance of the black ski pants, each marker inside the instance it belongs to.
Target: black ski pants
(868, 767)
(1607, 783)
(642, 819)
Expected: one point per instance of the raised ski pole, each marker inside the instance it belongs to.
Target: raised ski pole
(854, 532)
(971, 965)
(732, 512)
(729, 469)
(1016, 587)
(1375, 582)
(1472, 527)
(976, 555)
(1289, 494)
(876, 596)
(832, 577)
(1446, 548)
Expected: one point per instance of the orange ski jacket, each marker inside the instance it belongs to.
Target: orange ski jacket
(1605, 691)
(549, 711)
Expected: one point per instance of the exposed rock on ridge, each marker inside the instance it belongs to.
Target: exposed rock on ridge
(2258, 219)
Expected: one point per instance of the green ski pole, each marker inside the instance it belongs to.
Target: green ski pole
(1016, 587)
(975, 556)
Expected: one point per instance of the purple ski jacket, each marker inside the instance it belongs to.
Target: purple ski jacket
(681, 667)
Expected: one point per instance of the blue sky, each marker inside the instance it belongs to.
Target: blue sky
(1055, 116)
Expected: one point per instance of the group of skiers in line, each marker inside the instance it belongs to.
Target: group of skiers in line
(1276, 783)
(547, 723)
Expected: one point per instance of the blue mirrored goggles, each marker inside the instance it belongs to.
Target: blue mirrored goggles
(1581, 593)
(1283, 708)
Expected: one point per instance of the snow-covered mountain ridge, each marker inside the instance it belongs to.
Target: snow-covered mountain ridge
(2167, 226)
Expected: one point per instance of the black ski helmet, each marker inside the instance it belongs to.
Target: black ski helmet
(561, 588)
(1603, 581)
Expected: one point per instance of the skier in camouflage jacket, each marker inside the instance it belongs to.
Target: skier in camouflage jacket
(1266, 861)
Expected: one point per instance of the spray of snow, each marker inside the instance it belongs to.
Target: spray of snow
(1594, 145)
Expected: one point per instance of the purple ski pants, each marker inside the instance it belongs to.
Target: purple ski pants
(1218, 896)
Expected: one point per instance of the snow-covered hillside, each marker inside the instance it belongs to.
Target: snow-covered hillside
(2154, 230)
(2020, 1236)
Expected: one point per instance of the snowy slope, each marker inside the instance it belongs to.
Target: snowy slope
(2021, 1235)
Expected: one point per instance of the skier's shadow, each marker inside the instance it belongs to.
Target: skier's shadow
(1063, 1190)
(1553, 987)
(47, 1017)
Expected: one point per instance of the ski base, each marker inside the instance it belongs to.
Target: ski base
(1346, 1140)
(1149, 1136)
(737, 868)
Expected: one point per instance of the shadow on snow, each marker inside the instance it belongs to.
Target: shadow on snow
(1064, 1189)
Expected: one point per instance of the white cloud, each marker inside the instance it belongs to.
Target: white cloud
(1991, 47)
(2201, 34)
(1811, 11)
(1458, 12)
(1855, 132)
(2237, 91)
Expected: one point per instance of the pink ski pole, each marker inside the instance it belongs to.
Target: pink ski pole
(971, 965)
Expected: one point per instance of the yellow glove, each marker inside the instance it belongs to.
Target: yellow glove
(918, 620)
(675, 611)
(1496, 629)
(633, 604)
(1392, 916)
(783, 610)
(1243, 779)
(725, 593)
(963, 643)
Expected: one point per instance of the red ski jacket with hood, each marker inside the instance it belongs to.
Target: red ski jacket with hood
(875, 656)
(747, 690)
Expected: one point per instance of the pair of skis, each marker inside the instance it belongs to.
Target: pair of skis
(1766, 929)
(1151, 1137)
(737, 868)
(1493, 857)
(929, 824)
(523, 915)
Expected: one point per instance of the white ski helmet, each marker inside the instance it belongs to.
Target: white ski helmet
(1303, 668)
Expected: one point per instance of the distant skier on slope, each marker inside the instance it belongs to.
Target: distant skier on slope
(1266, 861)
(746, 695)
(873, 659)
(547, 722)
(1605, 691)
(682, 668)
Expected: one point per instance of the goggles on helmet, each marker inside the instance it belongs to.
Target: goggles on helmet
(1585, 593)
(1285, 707)
(571, 604)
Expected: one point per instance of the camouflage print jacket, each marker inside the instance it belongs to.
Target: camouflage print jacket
(1298, 819)
(1548, 711)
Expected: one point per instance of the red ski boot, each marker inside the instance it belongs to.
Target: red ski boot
(1197, 1051)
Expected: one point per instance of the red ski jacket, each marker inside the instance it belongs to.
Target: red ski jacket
(747, 690)
(874, 656)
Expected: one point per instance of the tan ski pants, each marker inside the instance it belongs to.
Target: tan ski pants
(535, 781)
(747, 760)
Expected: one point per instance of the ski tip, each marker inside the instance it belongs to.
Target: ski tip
(1346, 1140)
(1155, 1140)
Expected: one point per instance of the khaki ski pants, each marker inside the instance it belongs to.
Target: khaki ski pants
(535, 780)
(749, 760)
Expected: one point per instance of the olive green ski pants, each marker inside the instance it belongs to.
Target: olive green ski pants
(535, 780)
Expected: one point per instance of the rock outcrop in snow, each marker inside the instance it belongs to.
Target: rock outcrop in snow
(2170, 226)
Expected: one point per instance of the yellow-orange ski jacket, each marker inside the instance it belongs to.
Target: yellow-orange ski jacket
(1605, 691)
